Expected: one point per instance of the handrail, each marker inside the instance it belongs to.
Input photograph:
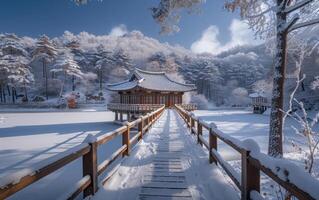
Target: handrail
(248, 182)
(88, 151)
(133, 107)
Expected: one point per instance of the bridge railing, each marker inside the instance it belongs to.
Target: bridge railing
(133, 107)
(88, 184)
(188, 107)
(289, 176)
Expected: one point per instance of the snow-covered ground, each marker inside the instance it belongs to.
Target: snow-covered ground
(243, 124)
(29, 137)
(32, 135)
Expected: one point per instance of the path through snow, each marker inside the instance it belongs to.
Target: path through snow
(168, 164)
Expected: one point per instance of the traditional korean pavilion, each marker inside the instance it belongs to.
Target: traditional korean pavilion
(145, 87)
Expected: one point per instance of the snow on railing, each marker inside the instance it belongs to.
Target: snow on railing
(19, 180)
(287, 174)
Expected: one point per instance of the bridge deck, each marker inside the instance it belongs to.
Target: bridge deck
(168, 165)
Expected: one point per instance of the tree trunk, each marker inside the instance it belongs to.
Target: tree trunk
(4, 95)
(45, 75)
(275, 147)
(1, 93)
(9, 94)
(12, 95)
(73, 82)
(62, 86)
(25, 93)
(100, 80)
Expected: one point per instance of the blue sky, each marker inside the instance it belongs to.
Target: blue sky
(53, 17)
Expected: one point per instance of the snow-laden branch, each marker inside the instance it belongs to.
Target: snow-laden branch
(304, 24)
(296, 6)
(292, 22)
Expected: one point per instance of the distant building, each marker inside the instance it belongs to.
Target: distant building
(145, 87)
(259, 102)
(145, 91)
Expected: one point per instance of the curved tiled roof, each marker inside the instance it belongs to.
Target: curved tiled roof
(157, 81)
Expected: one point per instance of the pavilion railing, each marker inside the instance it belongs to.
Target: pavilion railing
(133, 107)
(88, 184)
(188, 107)
(283, 172)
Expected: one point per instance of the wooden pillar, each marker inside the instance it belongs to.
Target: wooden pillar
(250, 177)
(116, 116)
(126, 141)
(192, 125)
(89, 167)
(121, 116)
(212, 145)
(199, 132)
(140, 128)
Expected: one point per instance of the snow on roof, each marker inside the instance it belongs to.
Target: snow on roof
(254, 95)
(158, 81)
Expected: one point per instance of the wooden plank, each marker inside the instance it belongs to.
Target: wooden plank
(154, 197)
(102, 167)
(110, 135)
(168, 192)
(168, 185)
(80, 188)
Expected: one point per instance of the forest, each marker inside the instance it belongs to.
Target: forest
(47, 69)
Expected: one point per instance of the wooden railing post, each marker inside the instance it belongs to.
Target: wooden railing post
(140, 128)
(126, 140)
(89, 167)
(212, 145)
(250, 177)
(192, 124)
(199, 131)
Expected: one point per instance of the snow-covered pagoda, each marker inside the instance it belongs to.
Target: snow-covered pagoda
(145, 91)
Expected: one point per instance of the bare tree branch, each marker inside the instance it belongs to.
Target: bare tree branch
(298, 5)
(304, 24)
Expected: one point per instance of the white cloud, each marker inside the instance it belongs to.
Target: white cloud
(209, 43)
(118, 31)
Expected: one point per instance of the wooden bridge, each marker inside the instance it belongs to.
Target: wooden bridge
(168, 167)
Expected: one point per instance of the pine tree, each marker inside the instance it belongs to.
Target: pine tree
(14, 67)
(45, 52)
(103, 63)
(66, 65)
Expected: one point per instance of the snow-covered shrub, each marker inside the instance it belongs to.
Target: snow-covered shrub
(200, 100)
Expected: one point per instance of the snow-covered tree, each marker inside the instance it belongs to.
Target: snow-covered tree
(104, 62)
(167, 13)
(14, 66)
(122, 59)
(79, 56)
(45, 52)
(66, 65)
(276, 18)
